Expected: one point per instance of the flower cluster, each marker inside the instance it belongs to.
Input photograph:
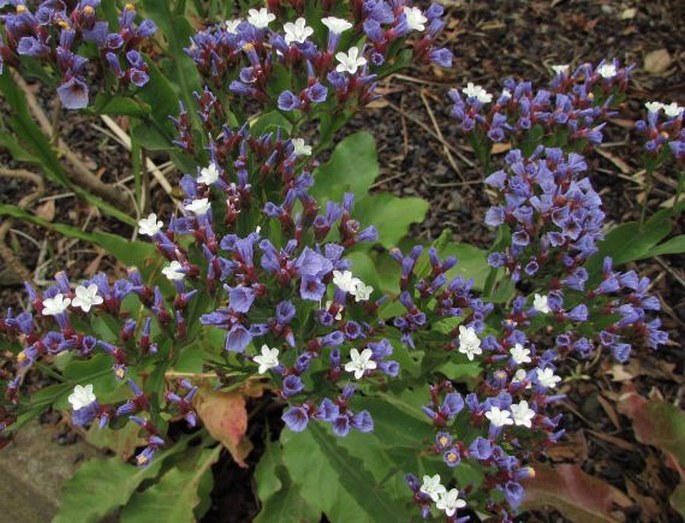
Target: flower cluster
(663, 130)
(54, 33)
(304, 63)
(289, 287)
(572, 108)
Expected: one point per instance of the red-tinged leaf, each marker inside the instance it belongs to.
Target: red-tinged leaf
(225, 417)
(659, 424)
(577, 495)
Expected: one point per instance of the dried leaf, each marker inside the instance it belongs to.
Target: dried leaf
(47, 210)
(628, 13)
(225, 417)
(572, 448)
(577, 495)
(499, 148)
(609, 409)
(657, 61)
(658, 424)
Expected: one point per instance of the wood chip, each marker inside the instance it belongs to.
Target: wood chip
(657, 61)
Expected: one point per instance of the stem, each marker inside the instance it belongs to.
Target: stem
(648, 190)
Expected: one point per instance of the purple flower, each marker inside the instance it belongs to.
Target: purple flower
(287, 101)
(238, 338)
(240, 299)
(296, 418)
(73, 93)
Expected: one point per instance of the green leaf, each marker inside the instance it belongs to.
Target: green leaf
(391, 215)
(180, 68)
(280, 498)
(174, 497)
(631, 241)
(102, 485)
(122, 442)
(270, 122)
(339, 484)
(129, 253)
(353, 167)
(675, 245)
(119, 105)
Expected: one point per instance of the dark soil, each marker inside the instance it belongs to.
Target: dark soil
(491, 40)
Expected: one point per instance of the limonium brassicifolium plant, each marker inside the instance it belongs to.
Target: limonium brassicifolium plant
(267, 280)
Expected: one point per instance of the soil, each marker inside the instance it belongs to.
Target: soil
(490, 40)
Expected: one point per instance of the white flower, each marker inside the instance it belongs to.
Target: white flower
(232, 25)
(469, 342)
(82, 396)
(336, 25)
(519, 376)
(450, 502)
(174, 271)
(498, 417)
(268, 359)
(360, 362)
(199, 207)
(345, 281)
(522, 414)
(607, 70)
(56, 305)
(477, 92)
(560, 69)
(415, 19)
(672, 110)
(546, 378)
(300, 148)
(297, 32)
(150, 226)
(541, 304)
(361, 291)
(86, 297)
(260, 18)
(654, 107)
(209, 174)
(338, 316)
(520, 354)
(433, 487)
(350, 62)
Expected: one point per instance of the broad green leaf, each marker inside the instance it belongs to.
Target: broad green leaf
(96, 370)
(353, 167)
(675, 245)
(122, 442)
(174, 497)
(391, 215)
(280, 498)
(180, 68)
(630, 241)
(100, 486)
(339, 484)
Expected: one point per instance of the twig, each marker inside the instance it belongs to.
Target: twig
(440, 136)
(430, 131)
(125, 140)
(80, 175)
